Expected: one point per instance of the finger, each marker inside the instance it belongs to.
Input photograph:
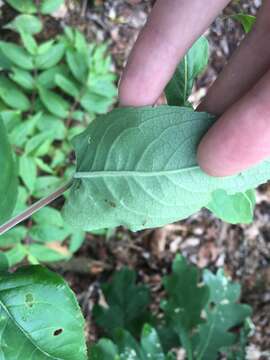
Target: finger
(241, 137)
(247, 65)
(171, 29)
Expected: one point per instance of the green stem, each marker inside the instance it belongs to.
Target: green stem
(34, 208)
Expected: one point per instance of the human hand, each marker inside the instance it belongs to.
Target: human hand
(241, 137)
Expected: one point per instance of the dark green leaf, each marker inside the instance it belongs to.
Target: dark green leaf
(4, 264)
(8, 177)
(195, 61)
(234, 209)
(17, 55)
(40, 316)
(104, 350)
(186, 299)
(12, 95)
(127, 304)
(23, 6)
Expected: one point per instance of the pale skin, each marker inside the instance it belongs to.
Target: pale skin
(240, 96)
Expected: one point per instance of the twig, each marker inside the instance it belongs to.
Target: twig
(34, 208)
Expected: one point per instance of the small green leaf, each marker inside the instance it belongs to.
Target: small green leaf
(67, 85)
(28, 171)
(195, 61)
(29, 43)
(17, 55)
(8, 176)
(76, 240)
(4, 264)
(247, 21)
(46, 185)
(46, 78)
(104, 350)
(40, 311)
(78, 65)
(127, 304)
(234, 209)
(15, 256)
(51, 57)
(35, 144)
(42, 165)
(43, 253)
(20, 133)
(26, 23)
(48, 216)
(49, 6)
(47, 233)
(13, 237)
(12, 95)
(222, 315)
(54, 102)
(94, 103)
(22, 78)
(23, 6)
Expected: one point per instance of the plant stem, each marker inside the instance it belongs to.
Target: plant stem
(34, 208)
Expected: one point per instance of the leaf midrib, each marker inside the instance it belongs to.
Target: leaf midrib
(130, 173)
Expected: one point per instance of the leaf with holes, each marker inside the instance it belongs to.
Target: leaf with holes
(156, 183)
(8, 176)
(39, 317)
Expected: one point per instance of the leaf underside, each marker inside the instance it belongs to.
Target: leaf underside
(138, 168)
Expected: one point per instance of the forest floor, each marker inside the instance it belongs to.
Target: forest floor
(243, 250)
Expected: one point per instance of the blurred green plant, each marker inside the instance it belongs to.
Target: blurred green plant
(49, 92)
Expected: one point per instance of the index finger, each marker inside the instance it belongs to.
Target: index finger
(172, 28)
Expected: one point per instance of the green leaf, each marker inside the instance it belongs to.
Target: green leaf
(17, 55)
(26, 23)
(15, 256)
(51, 57)
(22, 78)
(12, 237)
(234, 209)
(45, 254)
(48, 216)
(186, 299)
(160, 177)
(54, 102)
(53, 124)
(67, 85)
(49, 6)
(28, 171)
(223, 313)
(76, 240)
(127, 304)
(29, 43)
(247, 21)
(40, 316)
(12, 95)
(48, 233)
(104, 350)
(42, 165)
(46, 185)
(37, 142)
(23, 6)
(8, 177)
(20, 133)
(4, 265)
(46, 78)
(21, 203)
(77, 64)
(94, 103)
(195, 61)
